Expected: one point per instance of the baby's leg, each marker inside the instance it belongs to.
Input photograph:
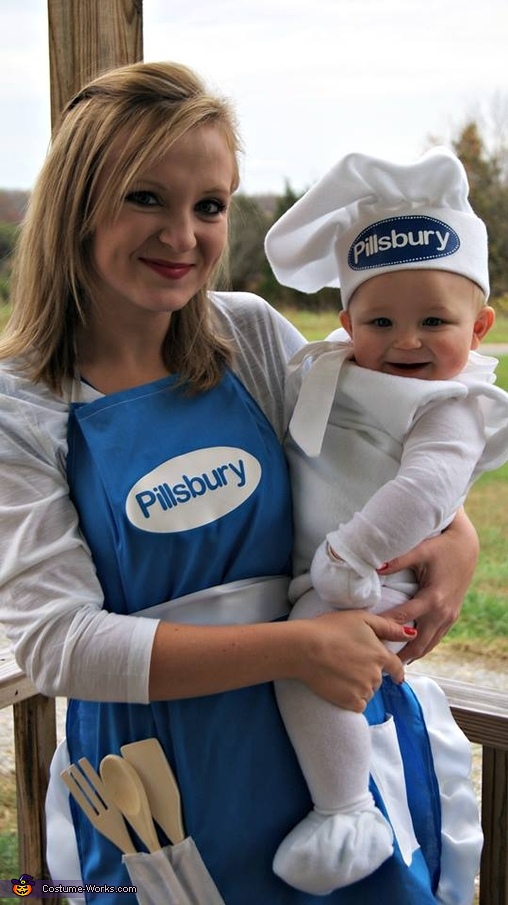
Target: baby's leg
(345, 837)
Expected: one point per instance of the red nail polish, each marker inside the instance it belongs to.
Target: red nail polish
(408, 630)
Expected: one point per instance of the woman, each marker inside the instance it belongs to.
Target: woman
(141, 426)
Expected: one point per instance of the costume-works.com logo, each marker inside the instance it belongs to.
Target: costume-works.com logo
(23, 886)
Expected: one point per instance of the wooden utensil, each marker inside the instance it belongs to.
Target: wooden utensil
(125, 788)
(148, 758)
(86, 787)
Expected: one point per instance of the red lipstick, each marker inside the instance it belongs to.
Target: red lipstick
(168, 269)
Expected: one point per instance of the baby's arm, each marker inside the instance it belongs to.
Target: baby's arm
(439, 457)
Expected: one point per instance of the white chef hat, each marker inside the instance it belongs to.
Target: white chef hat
(368, 216)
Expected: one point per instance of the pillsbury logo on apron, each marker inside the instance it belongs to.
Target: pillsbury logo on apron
(193, 490)
(402, 240)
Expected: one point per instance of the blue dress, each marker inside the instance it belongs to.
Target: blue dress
(177, 493)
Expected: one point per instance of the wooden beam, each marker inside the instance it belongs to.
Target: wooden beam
(481, 713)
(34, 742)
(494, 866)
(85, 38)
(14, 685)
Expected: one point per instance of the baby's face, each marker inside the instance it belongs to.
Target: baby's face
(416, 323)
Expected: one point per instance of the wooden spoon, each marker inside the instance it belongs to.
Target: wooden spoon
(125, 788)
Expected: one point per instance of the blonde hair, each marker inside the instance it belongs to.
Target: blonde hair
(136, 112)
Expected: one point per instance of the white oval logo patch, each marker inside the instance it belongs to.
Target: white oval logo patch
(193, 490)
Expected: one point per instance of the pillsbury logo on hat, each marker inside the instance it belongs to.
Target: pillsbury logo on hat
(402, 240)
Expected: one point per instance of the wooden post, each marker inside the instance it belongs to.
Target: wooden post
(87, 37)
(35, 741)
(494, 869)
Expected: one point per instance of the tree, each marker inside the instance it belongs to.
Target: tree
(489, 198)
(8, 233)
(247, 229)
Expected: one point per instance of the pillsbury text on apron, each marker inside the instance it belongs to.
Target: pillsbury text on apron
(178, 493)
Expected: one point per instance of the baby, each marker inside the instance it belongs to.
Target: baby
(389, 430)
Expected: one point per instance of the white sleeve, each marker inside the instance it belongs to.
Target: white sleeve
(440, 455)
(51, 603)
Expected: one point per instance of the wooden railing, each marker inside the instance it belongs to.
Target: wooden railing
(481, 713)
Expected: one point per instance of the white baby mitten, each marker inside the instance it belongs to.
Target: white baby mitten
(339, 584)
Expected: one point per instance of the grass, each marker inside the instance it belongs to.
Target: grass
(9, 866)
(483, 625)
(8, 830)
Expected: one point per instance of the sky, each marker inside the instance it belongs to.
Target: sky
(311, 80)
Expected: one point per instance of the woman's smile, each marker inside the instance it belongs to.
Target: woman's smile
(167, 269)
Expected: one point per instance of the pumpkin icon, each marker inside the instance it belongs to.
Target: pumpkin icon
(23, 886)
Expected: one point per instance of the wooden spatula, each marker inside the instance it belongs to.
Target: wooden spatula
(148, 759)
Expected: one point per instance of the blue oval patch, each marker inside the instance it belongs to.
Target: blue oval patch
(402, 240)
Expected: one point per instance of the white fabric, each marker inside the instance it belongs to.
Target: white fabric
(178, 871)
(316, 243)
(152, 873)
(62, 855)
(51, 603)
(387, 768)
(235, 603)
(390, 459)
(393, 459)
(193, 874)
(327, 852)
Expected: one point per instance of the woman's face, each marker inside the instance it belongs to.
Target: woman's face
(171, 230)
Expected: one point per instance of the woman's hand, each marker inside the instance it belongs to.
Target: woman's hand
(341, 658)
(444, 566)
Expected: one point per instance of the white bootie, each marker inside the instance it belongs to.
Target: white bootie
(326, 852)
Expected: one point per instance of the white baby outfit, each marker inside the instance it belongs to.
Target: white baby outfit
(378, 463)
(408, 451)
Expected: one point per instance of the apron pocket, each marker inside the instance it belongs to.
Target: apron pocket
(388, 773)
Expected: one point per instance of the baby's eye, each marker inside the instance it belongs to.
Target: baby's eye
(433, 322)
(210, 207)
(142, 198)
(382, 322)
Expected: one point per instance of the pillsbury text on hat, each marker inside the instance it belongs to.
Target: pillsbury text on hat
(368, 216)
(402, 240)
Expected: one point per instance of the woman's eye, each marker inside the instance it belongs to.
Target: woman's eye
(210, 207)
(142, 198)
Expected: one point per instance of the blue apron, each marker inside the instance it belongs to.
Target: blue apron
(177, 493)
